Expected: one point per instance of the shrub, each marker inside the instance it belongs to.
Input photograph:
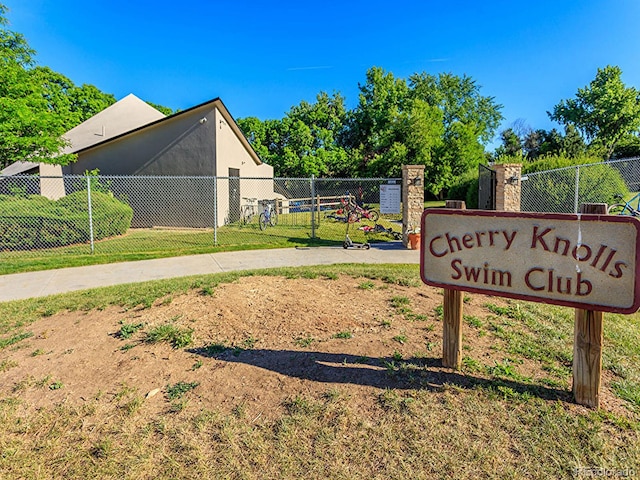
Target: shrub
(553, 162)
(37, 222)
(111, 217)
(465, 188)
(554, 191)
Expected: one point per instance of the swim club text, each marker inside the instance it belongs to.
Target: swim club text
(601, 258)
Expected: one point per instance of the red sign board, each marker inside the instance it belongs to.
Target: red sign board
(581, 261)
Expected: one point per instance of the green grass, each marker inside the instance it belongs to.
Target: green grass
(343, 335)
(402, 339)
(491, 420)
(13, 339)
(176, 336)
(434, 204)
(145, 244)
(177, 391)
(304, 341)
(403, 434)
(472, 321)
(367, 285)
(128, 329)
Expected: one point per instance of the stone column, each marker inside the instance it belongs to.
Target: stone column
(508, 186)
(412, 199)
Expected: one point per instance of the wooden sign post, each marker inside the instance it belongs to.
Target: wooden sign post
(452, 317)
(590, 262)
(587, 343)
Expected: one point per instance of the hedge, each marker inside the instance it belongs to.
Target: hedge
(554, 190)
(465, 188)
(35, 222)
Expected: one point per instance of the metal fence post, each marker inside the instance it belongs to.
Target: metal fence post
(90, 212)
(575, 203)
(215, 211)
(313, 214)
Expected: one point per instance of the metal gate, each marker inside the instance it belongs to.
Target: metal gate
(486, 188)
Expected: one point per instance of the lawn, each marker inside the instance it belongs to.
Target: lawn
(143, 244)
(317, 372)
(147, 243)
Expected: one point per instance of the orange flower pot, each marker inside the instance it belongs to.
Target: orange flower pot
(414, 241)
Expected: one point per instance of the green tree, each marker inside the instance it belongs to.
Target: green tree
(30, 128)
(325, 122)
(512, 144)
(373, 127)
(604, 111)
(162, 109)
(390, 128)
(453, 120)
(304, 142)
(573, 145)
(469, 122)
(441, 122)
(72, 104)
(412, 137)
(460, 101)
(258, 135)
(38, 105)
(628, 146)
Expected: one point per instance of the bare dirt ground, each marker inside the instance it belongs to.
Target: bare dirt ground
(285, 338)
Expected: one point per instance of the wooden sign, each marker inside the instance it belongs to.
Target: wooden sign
(581, 261)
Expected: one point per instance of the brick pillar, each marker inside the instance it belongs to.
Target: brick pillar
(508, 186)
(413, 199)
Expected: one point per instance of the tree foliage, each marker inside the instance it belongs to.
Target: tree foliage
(441, 122)
(512, 144)
(29, 128)
(604, 111)
(38, 105)
(304, 142)
(530, 145)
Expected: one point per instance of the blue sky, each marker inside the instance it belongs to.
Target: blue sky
(261, 58)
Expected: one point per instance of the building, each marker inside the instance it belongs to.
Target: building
(131, 138)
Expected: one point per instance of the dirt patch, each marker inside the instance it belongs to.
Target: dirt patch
(257, 343)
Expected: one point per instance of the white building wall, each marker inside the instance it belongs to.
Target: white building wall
(256, 180)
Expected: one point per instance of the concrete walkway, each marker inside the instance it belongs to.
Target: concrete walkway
(49, 282)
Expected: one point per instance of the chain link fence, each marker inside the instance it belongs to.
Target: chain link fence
(178, 215)
(563, 190)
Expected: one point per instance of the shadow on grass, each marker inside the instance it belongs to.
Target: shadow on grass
(413, 373)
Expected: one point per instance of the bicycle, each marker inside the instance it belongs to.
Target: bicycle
(248, 210)
(625, 208)
(269, 216)
(351, 207)
(365, 212)
(377, 228)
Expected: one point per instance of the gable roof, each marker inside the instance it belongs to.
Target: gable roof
(125, 115)
(216, 102)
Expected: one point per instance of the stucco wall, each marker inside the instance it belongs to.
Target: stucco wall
(255, 180)
(176, 146)
(182, 146)
(51, 183)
